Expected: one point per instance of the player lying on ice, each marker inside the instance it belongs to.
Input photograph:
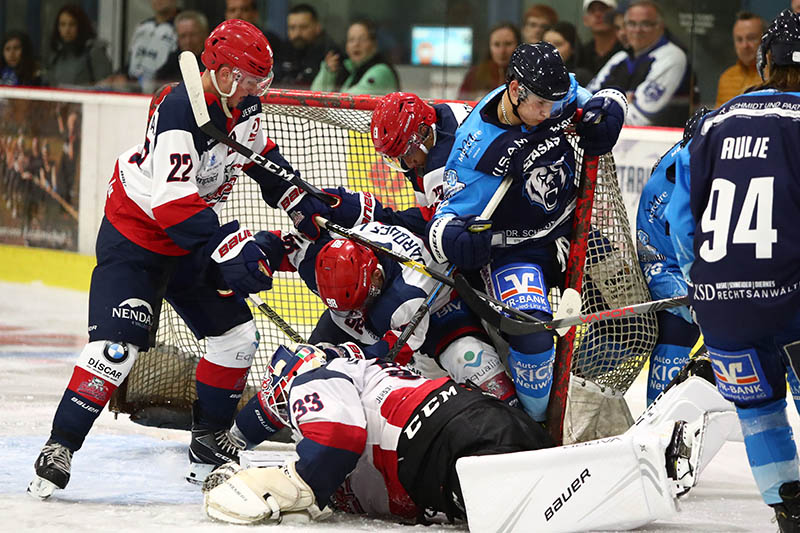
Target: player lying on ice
(378, 439)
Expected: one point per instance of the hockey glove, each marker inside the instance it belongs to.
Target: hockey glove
(241, 262)
(352, 208)
(274, 247)
(257, 494)
(348, 350)
(602, 120)
(451, 239)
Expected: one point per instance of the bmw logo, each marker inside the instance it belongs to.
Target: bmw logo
(115, 352)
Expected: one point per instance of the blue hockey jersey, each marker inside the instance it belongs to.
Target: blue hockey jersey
(733, 215)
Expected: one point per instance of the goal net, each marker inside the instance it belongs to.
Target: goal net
(325, 137)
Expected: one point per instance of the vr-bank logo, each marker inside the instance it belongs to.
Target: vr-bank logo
(522, 286)
(136, 310)
(739, 376)
(735, 370)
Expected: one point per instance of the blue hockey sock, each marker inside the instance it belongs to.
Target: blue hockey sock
(770, 447)
(665, 363)
(794, 387)
(533, 378)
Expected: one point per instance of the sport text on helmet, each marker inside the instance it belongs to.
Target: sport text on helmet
(781, 40)
(344, 275)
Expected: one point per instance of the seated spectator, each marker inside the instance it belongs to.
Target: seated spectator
(598, 17)
(491, 73)
(307, 47)
(735, 80)
(365, 71)
(536, 20)
(247, 10)
(192, 30)
(619, 29)
(77, 57)
(653, 72)
(18, 66)
(563, 36)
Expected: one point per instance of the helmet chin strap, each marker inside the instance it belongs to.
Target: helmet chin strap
(514, 107)
(223, 96)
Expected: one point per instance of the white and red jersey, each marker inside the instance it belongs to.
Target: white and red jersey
(165, 194)
(351, 413)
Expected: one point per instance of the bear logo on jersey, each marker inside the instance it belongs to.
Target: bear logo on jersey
(542, 184)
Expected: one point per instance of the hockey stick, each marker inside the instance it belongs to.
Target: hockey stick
(422, 269)
(276, 319)
(423, 309)
(194, 88)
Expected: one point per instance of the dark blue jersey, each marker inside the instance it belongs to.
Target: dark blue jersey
(734, 215)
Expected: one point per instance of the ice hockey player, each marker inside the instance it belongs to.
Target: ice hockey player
(161, 238)
(677, 332)
(733, 220)
(518, 129)
(376, 439)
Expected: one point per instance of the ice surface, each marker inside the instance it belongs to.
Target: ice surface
(129, 478)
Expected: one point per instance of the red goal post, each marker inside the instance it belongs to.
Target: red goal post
(325, 136)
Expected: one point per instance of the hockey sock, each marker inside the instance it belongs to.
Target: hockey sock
(533, 377)
(770, 447)
(256, 423)
(794, 387)
(219, 390)
(665, 363)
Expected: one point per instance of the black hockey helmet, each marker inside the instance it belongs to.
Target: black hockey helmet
(691, 125)
(782, 40)
(539, 69)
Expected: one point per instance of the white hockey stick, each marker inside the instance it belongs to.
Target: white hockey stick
(194, 88)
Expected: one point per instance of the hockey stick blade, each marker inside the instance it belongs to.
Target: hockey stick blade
(194, 88)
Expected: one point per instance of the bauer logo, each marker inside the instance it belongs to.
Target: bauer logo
(115, 352)
(136, 310)
(739, 375)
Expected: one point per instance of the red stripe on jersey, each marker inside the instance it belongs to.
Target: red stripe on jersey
(214, 375)
(405, 353)
(449, 337)
(400, 503)
(176, 211)
(270, 145)
(90, 386)
(428, 211)
(336, 435)
(132, 222)
(401, 403)
(285, 265)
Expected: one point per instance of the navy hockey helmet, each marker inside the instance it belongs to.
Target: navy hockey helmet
(539, 69)
(782, 40)
(691, 125)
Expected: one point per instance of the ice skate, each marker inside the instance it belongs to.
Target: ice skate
(52, 470)
(209, 449)
(787, 513)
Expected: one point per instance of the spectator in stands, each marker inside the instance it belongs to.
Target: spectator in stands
(18, 66)
(619, 29)
(653, 72)
(192, 30)
(77, 57)
(307, 47)
(795, 6)
(736, 79)
(564, 37)
(154, 39)
(247, 10)
(598, 17)
(365, 71)
(536, 20)
(491, 73)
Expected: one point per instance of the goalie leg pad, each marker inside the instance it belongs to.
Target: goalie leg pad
(472, 360)
(614, 483)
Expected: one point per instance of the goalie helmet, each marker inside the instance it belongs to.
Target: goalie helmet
(283, 367)
(242, 46)
(344, 275)
(540, 70)
(781, 40)
(397, 124)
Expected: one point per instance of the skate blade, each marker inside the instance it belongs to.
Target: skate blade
(41, 488)
(198, 472)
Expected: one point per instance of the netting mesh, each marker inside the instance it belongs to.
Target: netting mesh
(331, 147)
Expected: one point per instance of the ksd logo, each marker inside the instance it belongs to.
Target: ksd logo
(115, 352)
(542, 185)
(736, 369)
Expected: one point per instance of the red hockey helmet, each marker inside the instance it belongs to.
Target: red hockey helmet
(242, 46)
(344, 270)
(397, 123)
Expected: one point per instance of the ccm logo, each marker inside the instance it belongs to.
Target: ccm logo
(237, 238)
